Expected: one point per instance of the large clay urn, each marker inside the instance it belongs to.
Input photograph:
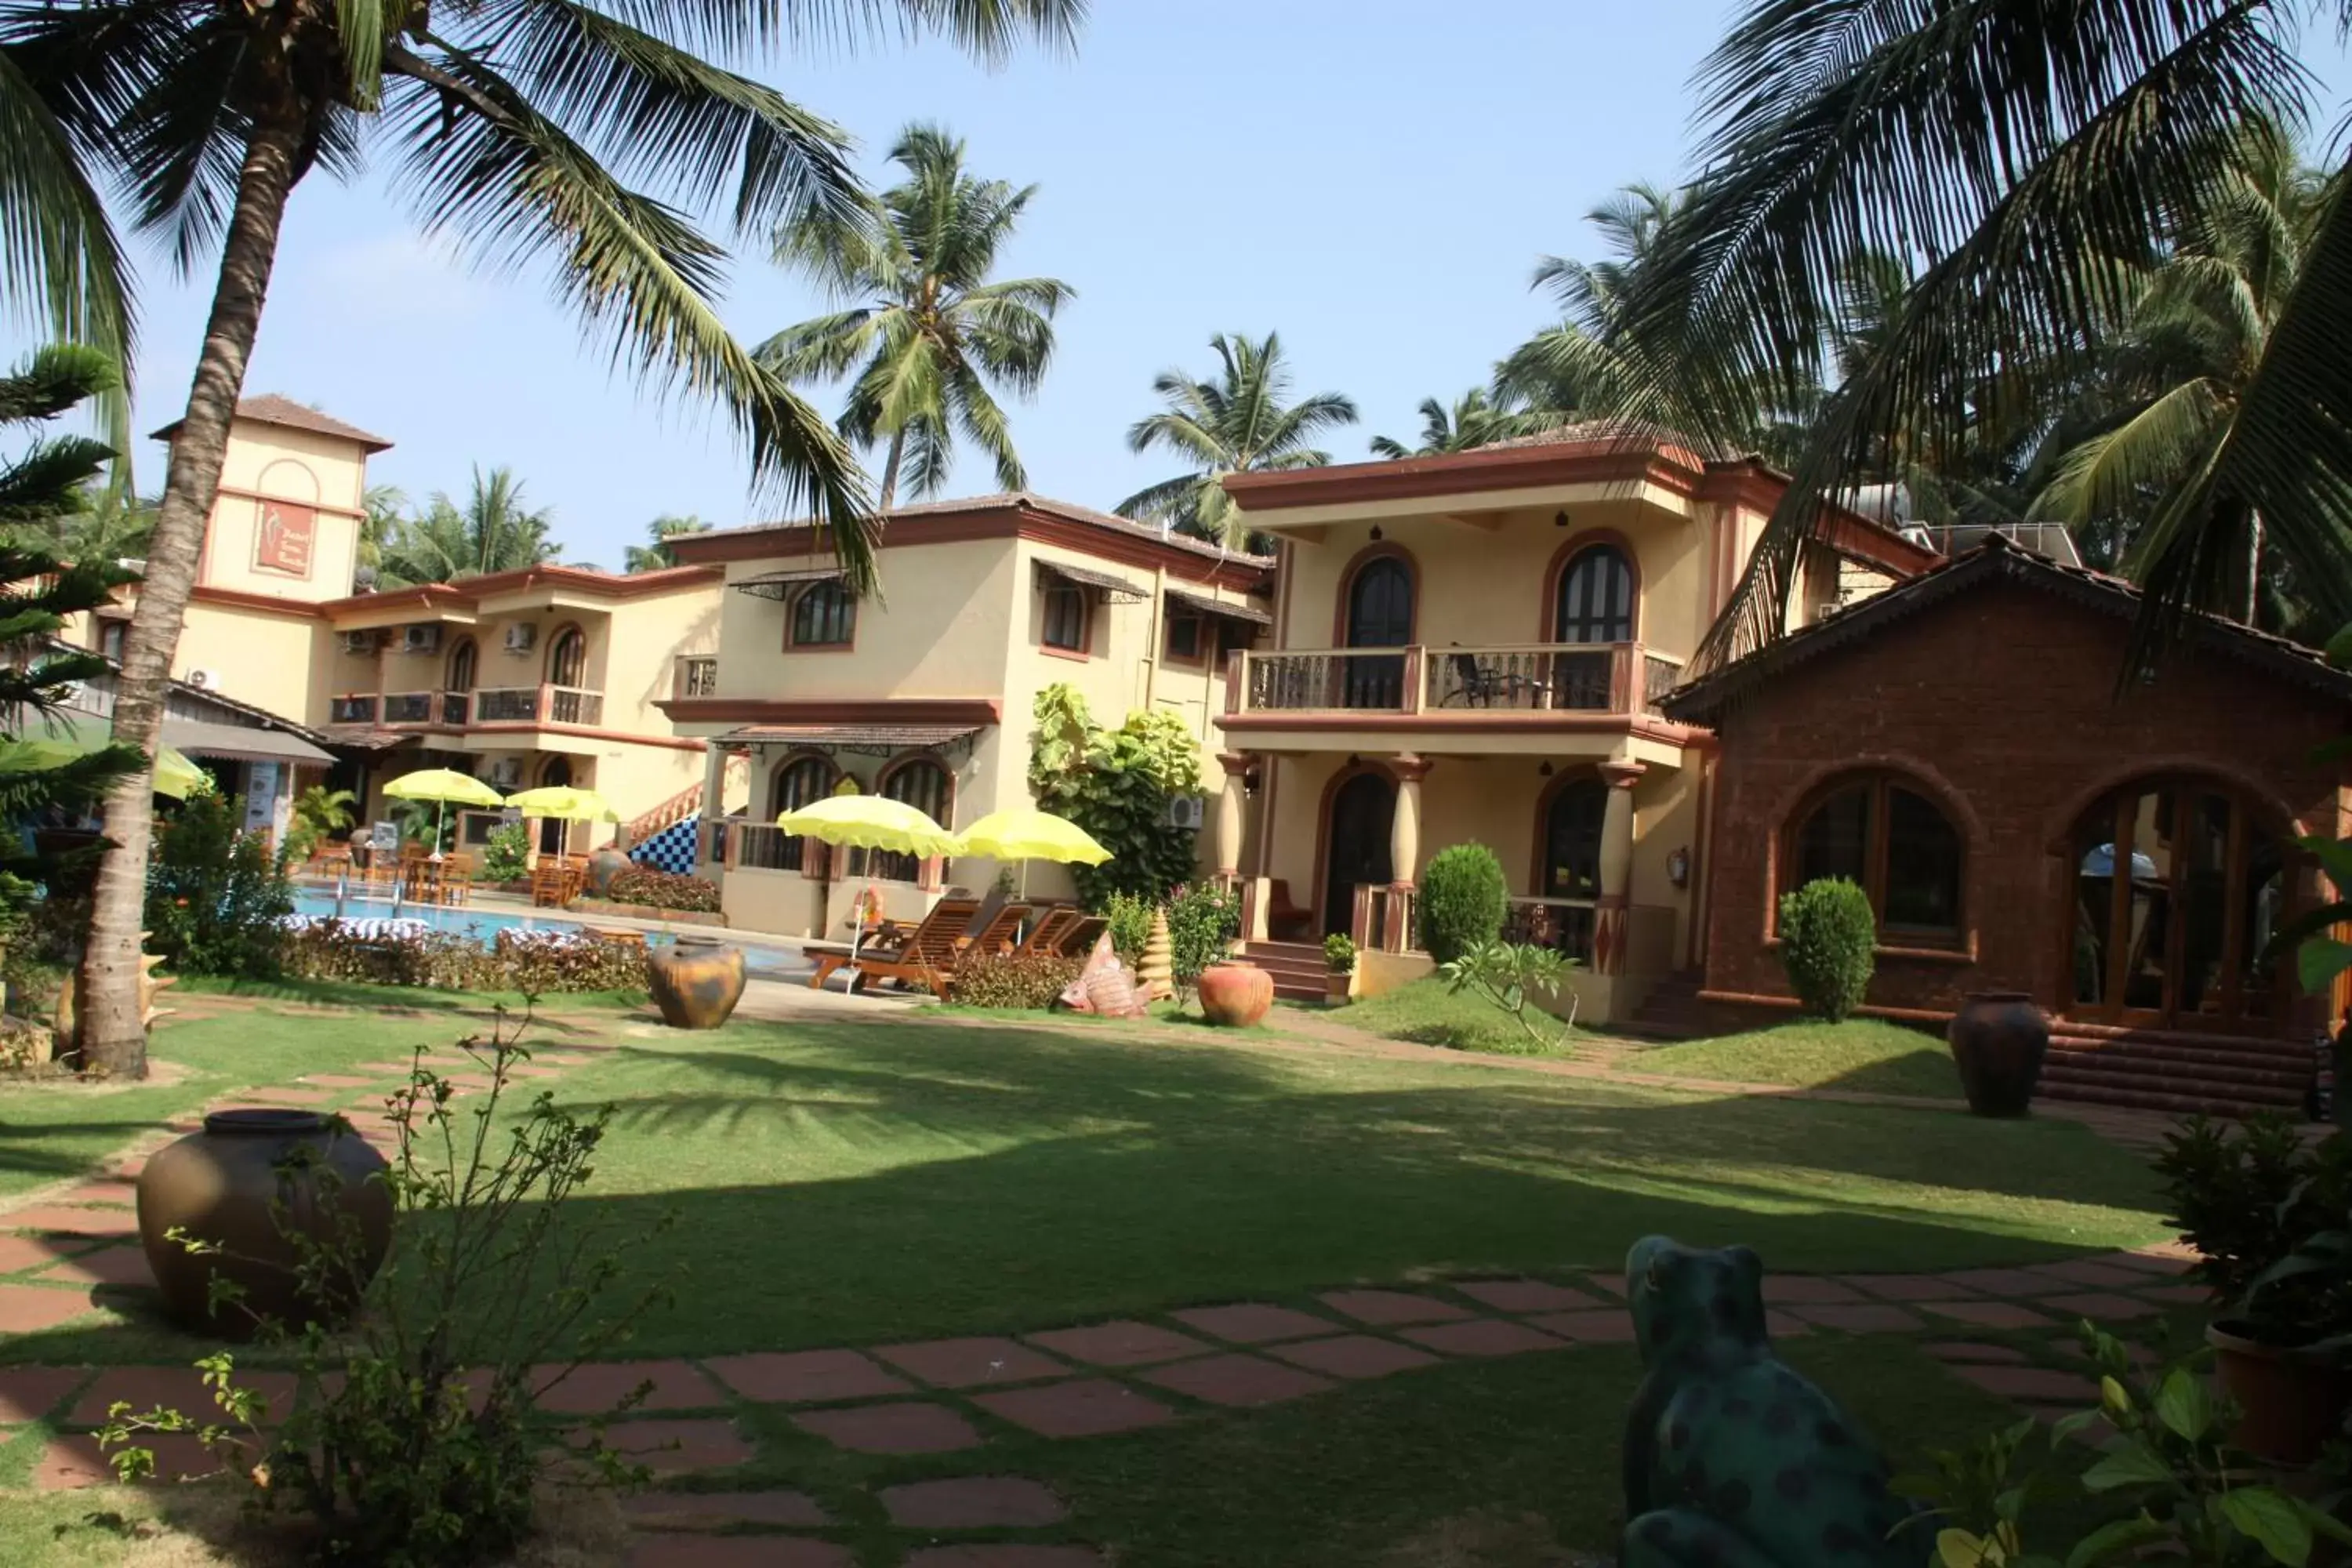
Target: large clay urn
(604, 865)
(2291, 1402)
(249, 1182)
(696, 981)
(1998, 1041)
(1236, 995)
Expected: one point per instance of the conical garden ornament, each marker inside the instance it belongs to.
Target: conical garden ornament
(1157, 970)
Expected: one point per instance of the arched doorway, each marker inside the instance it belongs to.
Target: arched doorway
(1594, 604)
(1379, 614)
(1571, 845)
(553, 773)
(458, 682)
(2175, 887)
(1356, 844)
(567, 658)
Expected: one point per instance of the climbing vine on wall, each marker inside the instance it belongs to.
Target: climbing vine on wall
(1117, 783)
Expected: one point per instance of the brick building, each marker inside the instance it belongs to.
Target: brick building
(1958, 746)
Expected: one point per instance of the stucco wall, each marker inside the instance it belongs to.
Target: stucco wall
(318, 471)
(938, 628)
(272, 661)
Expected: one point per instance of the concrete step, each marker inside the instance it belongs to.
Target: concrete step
(2283, 1056)
(2149, 1089)
(2188, 1066)
(2156, 1096)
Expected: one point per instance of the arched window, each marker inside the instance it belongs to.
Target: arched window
(825, 615)
(1572, 840)
(1881, 832)
(1596, 598)
(2178, 885)
(1379, 614)
(567, 658)
(460, 677)
(802, 781)
(1066, 617)
(923, 785)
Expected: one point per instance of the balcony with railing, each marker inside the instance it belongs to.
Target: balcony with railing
(356, 708)
(694, 675)
(1510, 678)
(537, 705)
(468, 709)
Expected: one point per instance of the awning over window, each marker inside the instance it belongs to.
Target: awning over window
(365, 738)
(237, 741)
(875, 740)
(778, 584)
(1248, 615)
(1078, 576)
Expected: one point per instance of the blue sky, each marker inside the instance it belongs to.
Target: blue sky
(1373, 179)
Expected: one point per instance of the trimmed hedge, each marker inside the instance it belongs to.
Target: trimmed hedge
(1462, 901)
(1827, 937)
(662, 890)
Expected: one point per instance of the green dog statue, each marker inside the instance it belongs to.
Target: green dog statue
(1732, 1458)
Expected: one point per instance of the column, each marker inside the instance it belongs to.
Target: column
(1616, 868)
(1404, 853)
(1231, 805)
(714, 800)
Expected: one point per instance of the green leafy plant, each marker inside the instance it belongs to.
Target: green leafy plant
(506, 854)
(320, 814)
(663, 890)
(2192, 1498)
(1117, 783)
(1340, 953)
(425, 822)
(1515, 978)
(1461, 901)
(2250, 1196)
(1129, 915)
(415, 1440)
(1828, 935)
(216, 897)
(1202, 921)
(537, 962)
(1026, 980)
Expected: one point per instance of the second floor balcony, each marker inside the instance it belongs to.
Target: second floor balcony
(1375, 683)
(473, 709)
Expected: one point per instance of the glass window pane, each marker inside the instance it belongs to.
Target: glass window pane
(1572, 841)
(2094, 902)
(2149, 934)
(2262, 897)
(1923, 865)
(1835, 839)
(2204, 903)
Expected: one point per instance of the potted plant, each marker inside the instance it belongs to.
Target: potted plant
(1340, 959)
(2272, 1218)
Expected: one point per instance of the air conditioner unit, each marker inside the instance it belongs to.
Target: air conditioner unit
(1186, 811)
(520, 635)
(203, 679)
(423, 638)
(506, 773)
(359, 642)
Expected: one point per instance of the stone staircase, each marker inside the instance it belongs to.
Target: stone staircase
(2153, 1070)
(1672, 1011)
(1298, 968)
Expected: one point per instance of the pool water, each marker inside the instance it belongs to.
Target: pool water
(767, 962)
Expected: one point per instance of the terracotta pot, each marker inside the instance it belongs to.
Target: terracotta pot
(696, 981)
(219, 1186)
(2292, 1401)
(604, 865)
(1339, 989)
(1998, 1041)
(1236, 995)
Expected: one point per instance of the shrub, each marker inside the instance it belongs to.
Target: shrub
(1202, 921)
(1462, 901)
(414, 1437)
(505, 856)
(1827, 933)
(1130, 925)
(663, 890)
(1029, 980)
(1340, 953)
(2246, 1196)
(216, 898)
(1117, 783)
(536, 963)
(1512, 978)
(320, 813)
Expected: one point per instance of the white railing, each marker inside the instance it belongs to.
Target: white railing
(1581, 678)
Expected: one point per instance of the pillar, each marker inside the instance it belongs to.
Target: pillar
(714, 801)
(1404, 854)
(1616, 868)
(1231, 805)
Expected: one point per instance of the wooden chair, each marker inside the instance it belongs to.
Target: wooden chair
(1045, 936)
(1079, 937)
(1002, 930)
(925, 954)
(550, 884)
(423, 879)
(456, 880)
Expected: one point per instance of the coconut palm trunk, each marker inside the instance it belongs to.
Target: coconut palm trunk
(890, 468)
(113, 1037)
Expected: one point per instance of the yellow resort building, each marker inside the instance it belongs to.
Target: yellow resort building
(1474, 646)
(925, 692)
(551, 675)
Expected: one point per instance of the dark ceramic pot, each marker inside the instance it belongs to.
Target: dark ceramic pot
(604, 865)
(220, 1187)
(696, 981)
(1998, 1041)
(1236, 995)
(2291, 1402)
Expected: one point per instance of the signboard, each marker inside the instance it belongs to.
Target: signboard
(260, 796)
(288, 531)
(384, 836)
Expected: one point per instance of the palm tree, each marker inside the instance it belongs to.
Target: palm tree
(1472, 421)
(1240, 422)
(385, 507)
(658, 554)
(205, 115)
(493, 532)
(929, 332)
(2031, 158)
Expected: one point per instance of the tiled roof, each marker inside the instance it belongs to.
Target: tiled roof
(269, 408)
(1998, 559)
(1046, 505)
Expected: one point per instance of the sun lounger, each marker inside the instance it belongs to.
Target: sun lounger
(1001, 929)
(1052, 924)
(927, 953)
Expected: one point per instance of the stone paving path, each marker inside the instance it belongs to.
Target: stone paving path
(68, 1253)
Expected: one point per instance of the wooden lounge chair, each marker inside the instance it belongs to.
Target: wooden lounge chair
(1079, 937)
(1001, 929)
(1046, 934)
(927, 952)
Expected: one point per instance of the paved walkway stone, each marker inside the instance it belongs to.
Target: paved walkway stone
(1387, 1307)
(600, 1386)
(904, 1428)
(342, 1080)
(1354, 1356)
(804, 1377)
(1858, 1316)
(1119, 1344)
(2103, 1305)
(2081, 1271)
(75, 1461)
(1612, 1327)
(738, 1551)
(180, 1388)
(1088, 1407)
(1806, 1289)
(717, 1510)
(2005, 1282)
(18, 1253)
(28, 1309)
(1254, 1323)
(54, 1220)
(1005, 1554)
(30, 1392)
(114, 1266)
(973, 1502)
(1988, 1314)
(1905, 1287)
(972, 1363)
(119, 1191)
(1237, 1380)
(2028, 1383)
(1525, 1295)
(1484, 1337)
(1972, 1350)
(680, 1447)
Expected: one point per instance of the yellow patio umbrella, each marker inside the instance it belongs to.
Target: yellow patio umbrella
(1026, 835)
(870, 822)
(442, 785)
(566, 802)
(175, 775)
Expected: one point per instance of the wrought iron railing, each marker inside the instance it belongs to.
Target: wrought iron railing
(573, 705)
(355, 709)
(408, 706)
(455, 706)
(506, 704)
(694, 675)
(1581, 678)
(1564, 924)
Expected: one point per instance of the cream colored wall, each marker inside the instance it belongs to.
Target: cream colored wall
(644, 640)
(271, 661)
(938, 628)
(294, 465)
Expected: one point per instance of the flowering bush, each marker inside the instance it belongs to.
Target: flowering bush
(1202, 921)
(505, 853)
(402, 953)
(663, 890)
(216, 897)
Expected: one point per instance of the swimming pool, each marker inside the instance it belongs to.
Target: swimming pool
(484, 925)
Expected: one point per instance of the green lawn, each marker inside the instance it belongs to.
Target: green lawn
(1427, 1013)
(1860, 1054)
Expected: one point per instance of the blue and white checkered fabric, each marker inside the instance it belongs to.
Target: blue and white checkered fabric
(671, 850)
